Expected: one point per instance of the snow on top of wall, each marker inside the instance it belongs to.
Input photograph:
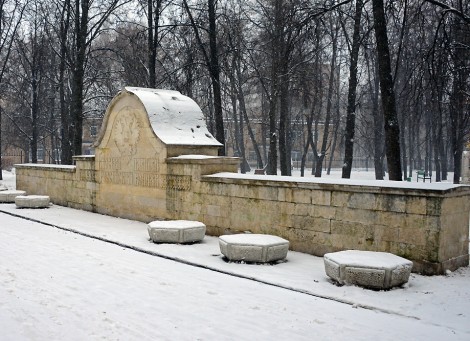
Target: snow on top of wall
(439, 186)
(195, 157)
(176, 119)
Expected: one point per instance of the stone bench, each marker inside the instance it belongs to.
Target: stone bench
(9, 196)
(375, 270)
(32, 201)
(176, 231)
(253, 248)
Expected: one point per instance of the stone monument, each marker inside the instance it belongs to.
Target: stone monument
(141, 129)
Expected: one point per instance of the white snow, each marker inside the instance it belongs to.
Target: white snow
(438, 186)
(175, 224)
(194, 157)
(252, 239)
(9, 179)
(47, 165)
(378, 260)
(105, 280)
(175, 118)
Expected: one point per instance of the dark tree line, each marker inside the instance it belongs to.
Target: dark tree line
(288, 80)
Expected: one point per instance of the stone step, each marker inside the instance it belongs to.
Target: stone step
(32, 201)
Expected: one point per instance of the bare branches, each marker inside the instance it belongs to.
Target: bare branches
(450, 9)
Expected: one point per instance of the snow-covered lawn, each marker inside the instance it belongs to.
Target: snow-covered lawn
(108, 281)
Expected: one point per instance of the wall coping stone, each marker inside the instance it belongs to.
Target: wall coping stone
(202, 160)
(58, 168)
(83, 157)
(343, 185)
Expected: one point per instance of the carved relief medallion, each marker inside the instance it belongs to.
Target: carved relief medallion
(126, 132)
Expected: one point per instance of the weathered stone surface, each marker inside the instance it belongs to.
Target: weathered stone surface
(9, 196)
(176, 231)
(32, 201)
(377, 270)
(256, 248)
(155, 158)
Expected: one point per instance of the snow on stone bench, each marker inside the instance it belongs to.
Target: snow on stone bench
(253, 248)
(176, 231)
(32, 201)
(9, 196)
(376, 270)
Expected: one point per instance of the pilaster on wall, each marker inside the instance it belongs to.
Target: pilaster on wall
(184, 182)
(84, 185)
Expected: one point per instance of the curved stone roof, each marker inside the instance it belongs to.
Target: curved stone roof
(176, 119)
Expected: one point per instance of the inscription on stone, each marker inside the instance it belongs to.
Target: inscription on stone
(116, 177)
(110, 163)
(143, 172)
(178, 182)
(147, 180)
(146, 165)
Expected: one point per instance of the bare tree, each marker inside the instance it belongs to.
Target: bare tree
(392, 129)
(211, 59)
(351, 109)
(11, 15)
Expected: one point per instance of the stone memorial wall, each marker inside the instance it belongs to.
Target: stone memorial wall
(155, 159)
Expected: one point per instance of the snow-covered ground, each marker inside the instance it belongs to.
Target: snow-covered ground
(72, 275)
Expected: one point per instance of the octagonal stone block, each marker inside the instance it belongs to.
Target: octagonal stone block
(176, 231)
(32, 201)
(9, 196)
(375, 270)
(255, 248)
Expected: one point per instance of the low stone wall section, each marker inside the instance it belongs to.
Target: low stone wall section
(425, 223)
(66, 185)
(428, 226)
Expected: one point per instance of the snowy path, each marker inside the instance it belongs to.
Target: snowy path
(58, 285)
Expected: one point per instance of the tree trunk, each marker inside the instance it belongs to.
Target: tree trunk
(153, 19)
(276, 48)
(244, 114)
(392, 130)
(65, 132)
(284, 126)
(215, 77)
(78, 72)
(459, 98)
(337, 121)
(329, 101)
(373, 82)
(212, 63)
(34, 116)
(351, 109)
(1, 152)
